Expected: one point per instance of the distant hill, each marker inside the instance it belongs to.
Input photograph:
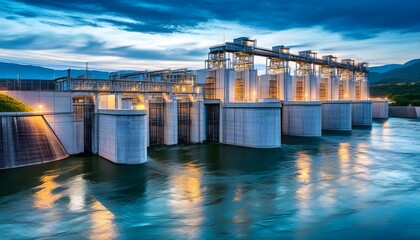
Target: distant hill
(384, 68)
(11, 70)
(408, 72)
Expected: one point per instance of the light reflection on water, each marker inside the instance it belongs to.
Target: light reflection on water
(360, 186)
(185, 199)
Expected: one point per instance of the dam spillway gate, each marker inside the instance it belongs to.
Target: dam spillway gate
(212, 122)
(156, 122)
(184, 121)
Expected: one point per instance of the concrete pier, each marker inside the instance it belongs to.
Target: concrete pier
(171, 121)
(122, 136)
(254, 125)
(336, 115)
(380, 109)
(362, 113)
(404, 111)
(197, 121)
(301, 118)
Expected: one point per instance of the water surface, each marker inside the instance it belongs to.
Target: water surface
(363, 186)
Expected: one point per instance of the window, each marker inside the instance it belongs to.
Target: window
(299, 91)
(239, 90)
(322, 91)
(341, 90)
(358, 91)
(272, 88)
(210, 88)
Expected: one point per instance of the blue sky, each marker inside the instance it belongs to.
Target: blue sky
(129, 34)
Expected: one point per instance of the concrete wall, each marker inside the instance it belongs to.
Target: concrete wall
(171, 122)
(362, 113)
(26, 139)
(313, 94)
(197, 121)
(301, 119)
(122, 136)
(224, 80)
(249, 78)
(284, 86)
(57, 108)
(263, 85)
(380, 109)
(335, 82)
(336, 115)
(404, 111)
(254, 125)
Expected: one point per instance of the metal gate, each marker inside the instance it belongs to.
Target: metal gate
(212, 122)
(84, 110)
(156, 122)
(184, 121)
(89, 110)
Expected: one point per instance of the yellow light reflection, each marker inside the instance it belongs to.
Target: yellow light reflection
(303, 194)
(103, 222)
(186, 198)
(189, 185)
(304, 165)
(238, 194)
(45, 198)
(344, 157)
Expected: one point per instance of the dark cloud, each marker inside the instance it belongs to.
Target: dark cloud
(354, 19)
(96, 47)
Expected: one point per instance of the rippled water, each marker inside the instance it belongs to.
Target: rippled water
(363, 186)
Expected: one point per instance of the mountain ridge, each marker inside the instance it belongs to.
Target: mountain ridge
(408, 72)
(13, 71)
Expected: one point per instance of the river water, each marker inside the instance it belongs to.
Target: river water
(363, 186)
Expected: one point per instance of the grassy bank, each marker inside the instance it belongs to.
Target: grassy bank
(11, 104)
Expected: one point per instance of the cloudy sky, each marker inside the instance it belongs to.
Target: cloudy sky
(132, 34)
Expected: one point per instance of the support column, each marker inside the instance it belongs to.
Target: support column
(313, 88)
(335, 83)
(95, 125)
(122, 136)
(336, 115)
(351, 92)
(301, 118)
(171, 121)
(288, 87)
(362, 113)
(380, 109)
(118, 101)
(197, 121)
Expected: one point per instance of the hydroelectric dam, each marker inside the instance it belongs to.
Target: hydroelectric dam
(226, 102)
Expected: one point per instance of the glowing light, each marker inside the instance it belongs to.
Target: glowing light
(40, 107)
(186, 198)
(45, 196)
(103, 222)
(140, 107)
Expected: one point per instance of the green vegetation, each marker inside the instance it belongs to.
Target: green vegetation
(402, 94)
(11, 104)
